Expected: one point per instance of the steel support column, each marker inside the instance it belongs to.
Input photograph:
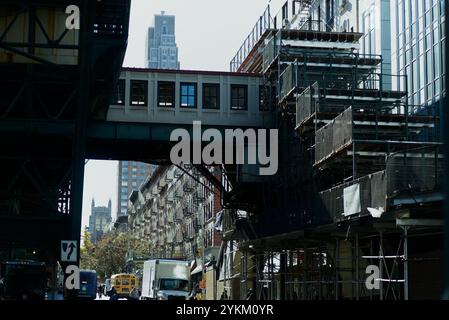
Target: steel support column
(79, 140)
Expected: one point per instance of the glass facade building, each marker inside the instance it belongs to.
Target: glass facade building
(418, 50)
(410, 36)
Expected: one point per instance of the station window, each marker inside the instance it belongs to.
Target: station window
(120, 93)
(139, 90)
(188, 95)
(166, 94)
(211, 96)
(239, 97)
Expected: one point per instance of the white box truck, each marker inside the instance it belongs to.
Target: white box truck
(165, 280)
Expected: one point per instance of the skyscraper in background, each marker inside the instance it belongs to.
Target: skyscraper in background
(131, 175)
(162, 51)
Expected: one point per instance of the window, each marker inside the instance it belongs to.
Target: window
(166, 94)
(211, 96)
(239, 97)
(154, 53)
(120, 94)
(263, 102)
(139, 90)
(188, 95)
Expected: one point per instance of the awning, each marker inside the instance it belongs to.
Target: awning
(197, 270)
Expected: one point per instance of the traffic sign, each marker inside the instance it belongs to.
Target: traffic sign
(69, 250)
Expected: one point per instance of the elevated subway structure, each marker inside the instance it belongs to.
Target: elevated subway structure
(54, 81)
(359, 181)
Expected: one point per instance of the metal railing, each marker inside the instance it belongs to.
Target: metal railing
(271, 50)
(262, 25)
(306, 103)
(334, 136)
(228, 220)
(414, 171)
(408, 174)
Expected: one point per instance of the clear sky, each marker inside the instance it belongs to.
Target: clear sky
(208, 34)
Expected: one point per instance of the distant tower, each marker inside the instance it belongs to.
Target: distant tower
(162, 51)
(99, 220)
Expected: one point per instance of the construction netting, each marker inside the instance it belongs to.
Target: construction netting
(415, 171)
(408, 175)
(306, 103)
(271, 51)
(334, 136)
(288, 81)
(364, 196)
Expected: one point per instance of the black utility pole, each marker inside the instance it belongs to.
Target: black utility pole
(79, 139)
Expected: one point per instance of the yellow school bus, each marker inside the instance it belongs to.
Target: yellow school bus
(124, 283)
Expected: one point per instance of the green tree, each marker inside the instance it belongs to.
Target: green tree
(112, 250)
(87, 253)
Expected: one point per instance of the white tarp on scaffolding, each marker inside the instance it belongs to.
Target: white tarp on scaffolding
(351, 200)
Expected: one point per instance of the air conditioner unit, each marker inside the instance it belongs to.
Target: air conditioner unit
(170, 174)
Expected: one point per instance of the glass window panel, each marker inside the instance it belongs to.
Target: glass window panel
(239, 97)
(211, 96)
(188, 95)
(138, 93)
(166, 94)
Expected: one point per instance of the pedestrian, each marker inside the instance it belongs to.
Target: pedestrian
(113, 294)
(224, 295)
(134, 295)
(99, 291)
(250, 295)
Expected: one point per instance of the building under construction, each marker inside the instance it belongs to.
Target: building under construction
(355, 210)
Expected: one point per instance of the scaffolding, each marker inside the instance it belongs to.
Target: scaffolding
(327, 265)
(370, 162)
